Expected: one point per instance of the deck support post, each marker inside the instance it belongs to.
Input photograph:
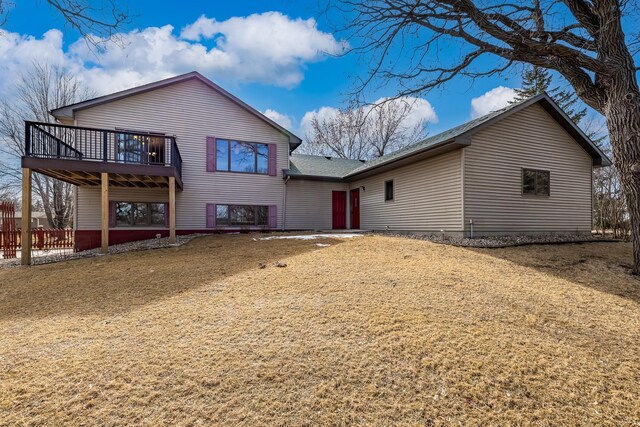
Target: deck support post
(172, 209)
(25, 238)
(105, 212)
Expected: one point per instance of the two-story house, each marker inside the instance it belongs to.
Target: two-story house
(183, 155)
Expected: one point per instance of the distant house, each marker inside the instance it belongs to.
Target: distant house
(183, 155)
(38, 220)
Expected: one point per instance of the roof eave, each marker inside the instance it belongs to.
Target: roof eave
(549, 105)
(602, 162)
(286, 174)
(293, 144)
(412, 157)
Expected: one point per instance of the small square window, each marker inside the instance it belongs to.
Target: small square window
(536, 182)
(388, 190)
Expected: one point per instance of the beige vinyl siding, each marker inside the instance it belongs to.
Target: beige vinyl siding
(309, 204)
(493, 162)
(191, 111)
(427, 196)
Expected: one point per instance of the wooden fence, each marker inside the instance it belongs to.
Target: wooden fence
(41, 239)
(8, 239)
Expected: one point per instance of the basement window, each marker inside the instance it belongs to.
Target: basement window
(536, 182)
(242, 215)
(388, 190)
(130, 214)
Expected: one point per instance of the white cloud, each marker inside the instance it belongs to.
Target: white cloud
(322, 113)
(268, 48)
(270, 44)
(492, 100)
(421, 110)
(19, 52)
(282, 119)
(203, 27)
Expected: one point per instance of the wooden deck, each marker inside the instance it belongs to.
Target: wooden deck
(80, 155)
(99, 157)
(88, 172)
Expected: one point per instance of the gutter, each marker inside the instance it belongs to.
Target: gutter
(463, 142)
(459, 141)
(314, 177)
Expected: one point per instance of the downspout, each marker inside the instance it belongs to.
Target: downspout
(284, 203)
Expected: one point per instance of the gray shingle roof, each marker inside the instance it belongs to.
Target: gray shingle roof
(342, 168)
(445, 136)
(321, 167)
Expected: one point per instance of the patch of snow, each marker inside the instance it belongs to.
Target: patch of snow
(314, 236)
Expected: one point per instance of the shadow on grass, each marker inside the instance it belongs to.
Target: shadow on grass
(113, 284)
(605, 267)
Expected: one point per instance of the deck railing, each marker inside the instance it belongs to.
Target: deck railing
(48, 140)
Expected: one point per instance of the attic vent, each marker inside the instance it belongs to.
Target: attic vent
(362, 161)
(327, 157)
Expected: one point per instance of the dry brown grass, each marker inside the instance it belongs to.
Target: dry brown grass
(374, 330)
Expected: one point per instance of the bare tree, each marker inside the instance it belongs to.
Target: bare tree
(610, 212)
(364, 132)
(340, 135)
(582, 40)
(96, 20)
(7, 192)
(39, 90)
(387, 127)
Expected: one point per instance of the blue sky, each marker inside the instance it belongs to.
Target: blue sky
(291, 86)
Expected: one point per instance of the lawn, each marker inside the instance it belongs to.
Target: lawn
(370, 330)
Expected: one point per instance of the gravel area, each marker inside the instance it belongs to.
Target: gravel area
(65, 255)
(503, 241)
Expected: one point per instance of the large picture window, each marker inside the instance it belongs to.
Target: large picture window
(131, 214)
(536, 182)
(242, 215)
(247, 157)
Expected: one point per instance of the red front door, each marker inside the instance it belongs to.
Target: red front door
(339, 209)
(355, 209)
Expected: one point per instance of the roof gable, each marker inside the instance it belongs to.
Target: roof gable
(68, 111)
(460, 134)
